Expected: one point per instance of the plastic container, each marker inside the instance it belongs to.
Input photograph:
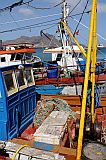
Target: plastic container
(52, 72)
(82, 65)
(94, 151)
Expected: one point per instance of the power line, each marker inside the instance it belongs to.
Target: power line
(22, 20)
(21, 2)
(30, 26)
(44, 8)
(51, 15)
(49, 27)
(11, 6)
(14, 5)
(13, 30)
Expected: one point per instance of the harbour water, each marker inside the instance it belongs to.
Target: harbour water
(43, 56)
(101, 54)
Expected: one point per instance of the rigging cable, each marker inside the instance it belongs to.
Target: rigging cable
(77, 28)
(75, 7)
(77, 14)
(14, 19)
(51, 39)
(44, 8)
(81, 17)
(31, 26)
(20, 3)
(88, 28)
(45, 16)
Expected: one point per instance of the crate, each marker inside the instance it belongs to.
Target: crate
(53, 128)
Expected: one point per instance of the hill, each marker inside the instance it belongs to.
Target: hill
(38, 41)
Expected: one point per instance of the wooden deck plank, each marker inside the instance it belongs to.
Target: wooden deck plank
(75, 102)
(69, 153)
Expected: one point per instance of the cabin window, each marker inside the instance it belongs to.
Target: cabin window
(10, 82)
(3, 59)
(19, 57)
(29, 76)
(21, 79)
(59, 56)
(12, 57)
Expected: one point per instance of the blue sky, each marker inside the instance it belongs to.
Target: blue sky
(23, 13)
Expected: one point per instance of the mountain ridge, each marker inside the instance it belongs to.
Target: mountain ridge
(38, 41)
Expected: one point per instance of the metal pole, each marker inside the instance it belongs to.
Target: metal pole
(63, 35)
(64, 11)
(81, 129)
(93, 65)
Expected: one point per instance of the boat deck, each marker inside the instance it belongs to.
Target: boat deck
(75, 104)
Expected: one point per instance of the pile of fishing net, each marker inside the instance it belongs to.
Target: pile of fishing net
(45, 107)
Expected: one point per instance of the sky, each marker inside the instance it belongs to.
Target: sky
(25, 15)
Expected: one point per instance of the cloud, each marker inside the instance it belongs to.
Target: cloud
(25, 11)
(71, 3)
(101, 8)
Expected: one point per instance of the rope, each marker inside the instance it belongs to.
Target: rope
(23, 146)
(96, 95)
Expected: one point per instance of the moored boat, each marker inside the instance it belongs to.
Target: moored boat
(60, 130)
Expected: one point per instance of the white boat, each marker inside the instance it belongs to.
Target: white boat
(100, 46)
(66, 57)
(13, 55)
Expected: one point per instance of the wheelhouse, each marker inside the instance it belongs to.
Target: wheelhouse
(17, 100)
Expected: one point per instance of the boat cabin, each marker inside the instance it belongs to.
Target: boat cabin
(12, 55)
(17, 99)
(65, 57)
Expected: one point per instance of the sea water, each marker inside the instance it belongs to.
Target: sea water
(43, 56)
(101, 54)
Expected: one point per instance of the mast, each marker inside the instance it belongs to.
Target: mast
(63, 34)
(93, 66)
(64, 11)
(87, 72)
(62, 30)
(90, 58)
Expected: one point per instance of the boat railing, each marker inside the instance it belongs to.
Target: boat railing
(67, 74)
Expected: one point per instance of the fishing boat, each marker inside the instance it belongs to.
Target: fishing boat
(85, 106)
(67, 66)
(70, 130)
(17, 92)
(12, 54)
